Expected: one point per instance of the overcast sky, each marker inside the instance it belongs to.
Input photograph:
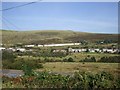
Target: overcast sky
(77, 16)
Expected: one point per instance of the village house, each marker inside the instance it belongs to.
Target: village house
(111, 50)
(52, 45)
(66, 44)
(29, 45)
(40, 45)
(30, 50)
(115, 51)
(74, 50)
(101, 42)
(108, 50)
(21, 49)
(91, 50)
(59, 51)
(104, 50)
(2, 48)
(12, 49)
(83, 50)
(98, 50)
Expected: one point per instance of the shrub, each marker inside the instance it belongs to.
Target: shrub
(114, 59)
(92, 59)
(8, 56)
(68, 60)
(80, 80)
(65, 60)
(18, 64)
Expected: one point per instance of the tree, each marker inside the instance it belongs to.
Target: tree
(8, 56)
(70, 59)
(27, 69)
(93, 59)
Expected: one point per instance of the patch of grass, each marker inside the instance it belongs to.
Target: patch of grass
(81, 56)
(71, 67)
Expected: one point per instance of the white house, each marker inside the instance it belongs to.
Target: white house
(110, 50)
(83, 50)
(59, 51)
(101, 42)
(65, 44)
(91, 50)
(29, 45)
(98, 50)
(77, 50)
(115, 51)
(40, 45)
(2, 48)
(51, 45)
(104, 50)
(77, 43)
(30, 50)
(21, 49)
(74, 50)
(12, 49)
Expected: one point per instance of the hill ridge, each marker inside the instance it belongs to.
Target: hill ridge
(52, 36)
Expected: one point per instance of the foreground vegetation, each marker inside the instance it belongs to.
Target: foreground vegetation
(83, 80)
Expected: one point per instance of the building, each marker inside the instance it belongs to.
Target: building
(111, 50)
(59, 51)
(74, 50)
(98, 50)
(2, 48)
(66, 44)
(40, 45)
(91, 50)
(12, 49)
(29, 45)
(21, 49)
(83, 50)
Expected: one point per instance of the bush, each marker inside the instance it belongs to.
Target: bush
(8, 56)
(80, 80)
(18, 64)
(68, 60)
(114, 59)
(92, 59)
(65, 60)
(8, 59)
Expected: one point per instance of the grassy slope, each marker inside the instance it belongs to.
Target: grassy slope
(51, 36)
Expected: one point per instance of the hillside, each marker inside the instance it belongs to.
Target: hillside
(51, 36)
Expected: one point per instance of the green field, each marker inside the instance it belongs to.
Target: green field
(81, 56)
(71, 67)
